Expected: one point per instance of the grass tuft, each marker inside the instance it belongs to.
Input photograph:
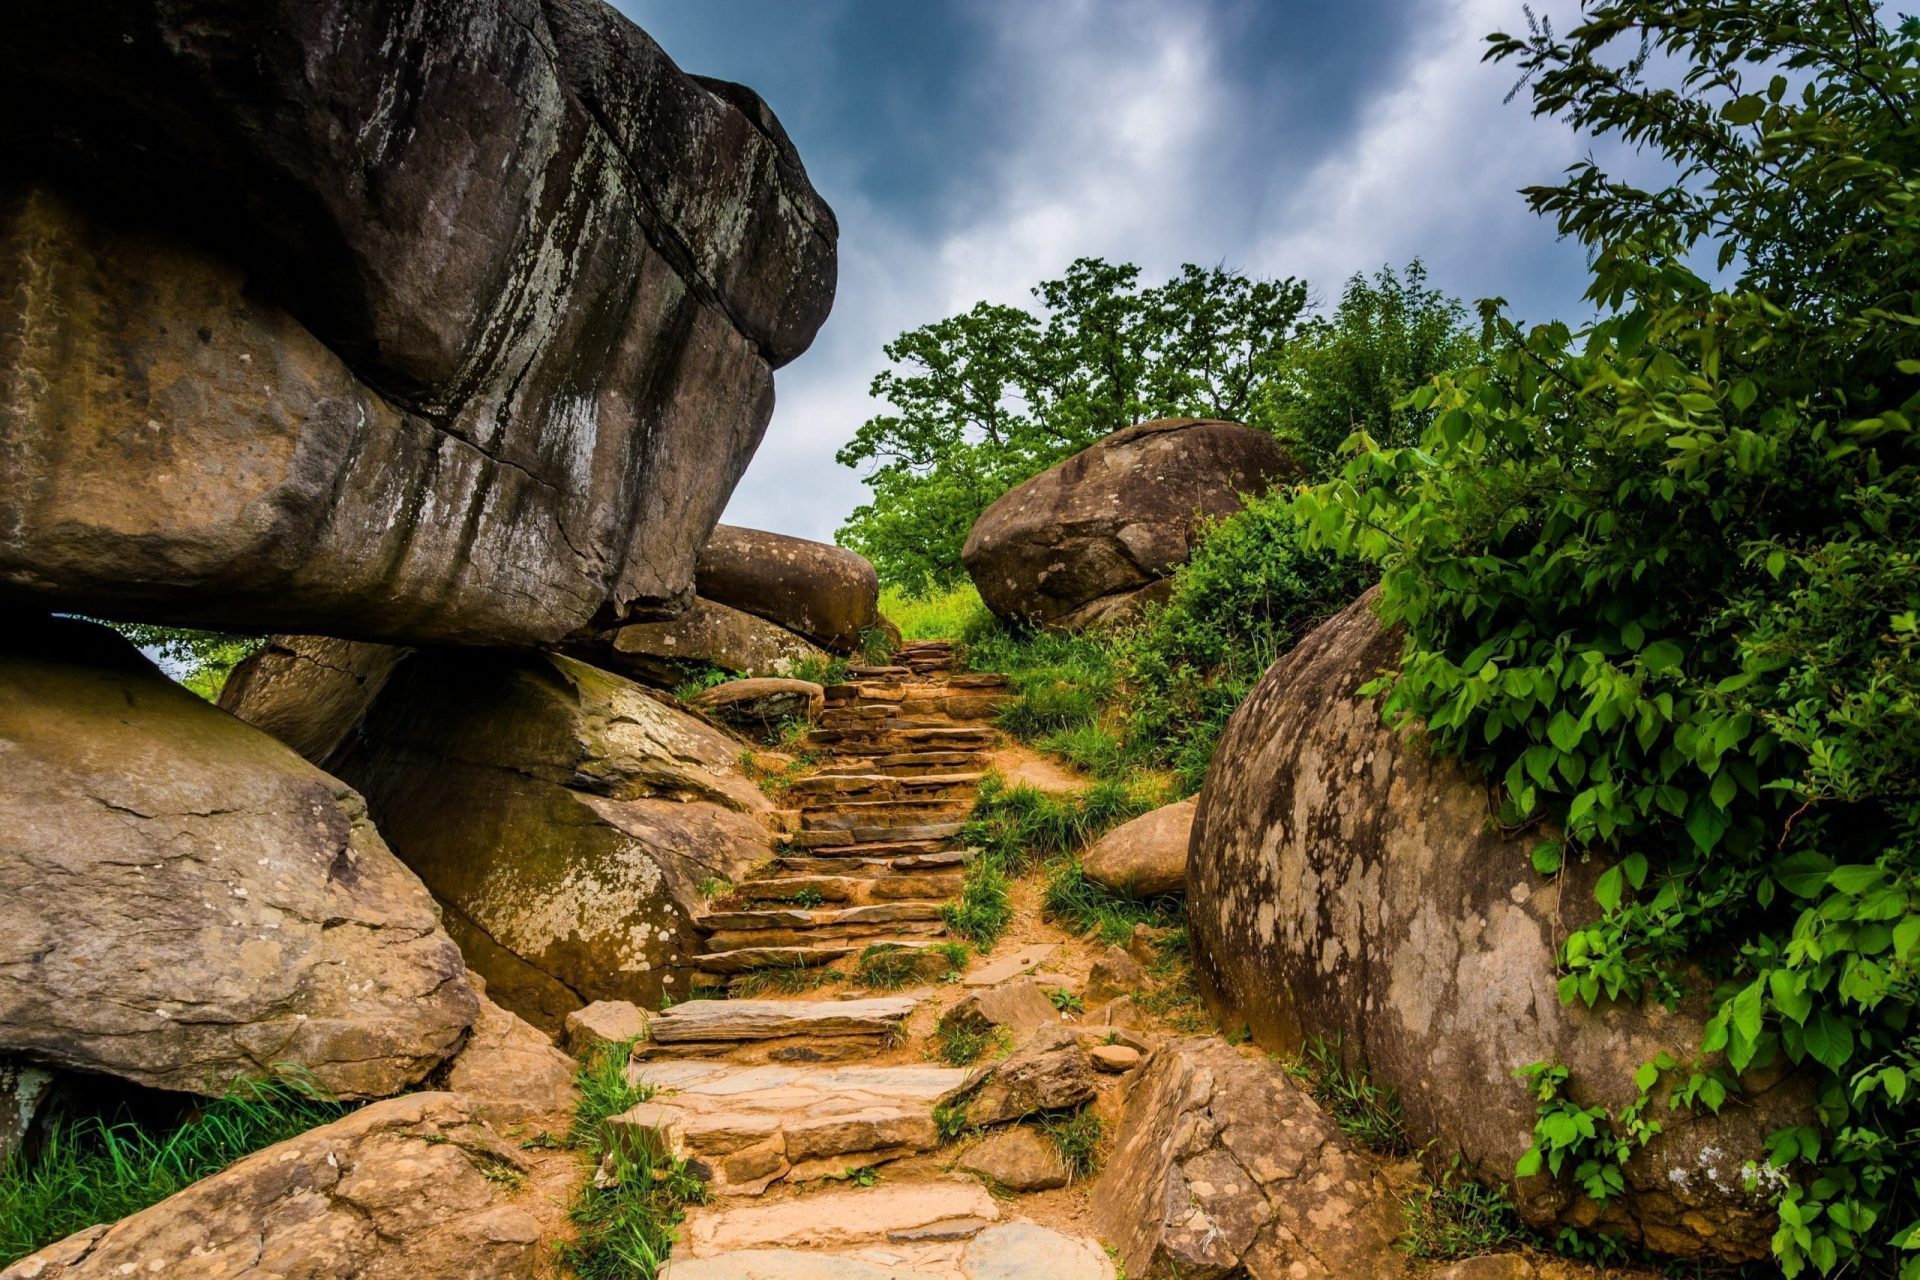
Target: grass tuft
(1076, 1136)
(1456, 1217)
(1086, 907)
(1369, 1115)
(962, 1044)
(92, 1169)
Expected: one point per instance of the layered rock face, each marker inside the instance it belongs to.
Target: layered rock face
(1086, 541)
(410, 1187)
(446, 322)
(1345, 885)
(824, 593)
(565, 817)
(184, 900)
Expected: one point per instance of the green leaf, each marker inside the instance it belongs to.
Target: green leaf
(1546, 857)
(1829, 1040)
(1564, 731)
(1744, 110)
(1660, 656)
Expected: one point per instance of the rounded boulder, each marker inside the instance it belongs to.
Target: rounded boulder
(1146, 857)
(1088, 540)
(1347, 885)
(828, 594)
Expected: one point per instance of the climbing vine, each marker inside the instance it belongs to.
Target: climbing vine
(1659, 578)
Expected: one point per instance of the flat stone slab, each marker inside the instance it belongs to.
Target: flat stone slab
(837, 1219)
(1006, 1251)
(1014, 965)
(746, 1127)
(708, 1020)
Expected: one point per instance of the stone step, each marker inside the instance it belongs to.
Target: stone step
(940, 856)
(909, 738)
(878, 849)
(743, 960)
(907, 764)
(916, 786)
(871, 914)
(747, 1126)
(1015, 1250)
(712, 1020)
(809, 935)
(795, 888)
(871, 672)
(858, 815)
(905, 1214)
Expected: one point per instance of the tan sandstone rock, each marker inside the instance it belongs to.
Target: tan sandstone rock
(512, 1075)
(763, 703)
(471, 337)
(706, 635)
(603, 1022)
(1050, 1072)
(1114, 974)
(1019, 1005)
(1221, 1163)
(826, 593)
(184, 900)
(1019, 1158)
(1082, 541)
(1348, 886)
(1145, 857)
(565, 816)
(310, 691)
(412, 1187)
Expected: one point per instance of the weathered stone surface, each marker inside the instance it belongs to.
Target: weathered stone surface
(1145, 857)
(396, 1191)
(512, 1075)
(1018, 1158)
(1115, 973)
(709, 1020)
(23, 1093)
(1078, 542)
(765, 703)
(1018, 1005)
(183, 899)
(1220, 1162)
(471, 335)
(310, 692)
(748, 1126)
(707, 634)
(1015, 964)
(961, 1249)
(1347, 885)
(603, 1022)
(826, 593)
(1113, 1059)
(1028, 1251)
(567, 818)
(1050, 1072)
(838, 1219)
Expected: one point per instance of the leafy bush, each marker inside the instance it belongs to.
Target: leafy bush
(199, 660)
(92, 1169)
(1659, 578)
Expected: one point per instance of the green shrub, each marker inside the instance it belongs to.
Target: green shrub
(1659, 580)
(91, 1170)
(199, 660)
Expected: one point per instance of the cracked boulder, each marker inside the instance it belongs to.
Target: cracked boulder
(184, 900)
(1089, 540)
(446, 322)
(1222, 1166)
(825, 593)
(1347, 886)
(309, 691)
(706, 635)
(414, 1186)
(565, 817)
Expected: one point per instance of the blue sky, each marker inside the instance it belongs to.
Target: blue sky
(974, 147)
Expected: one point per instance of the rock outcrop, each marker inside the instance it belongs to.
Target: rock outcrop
(761, 704)
(825, 593)
(1145, 857)
(566, 818)
(1222, 1166)
(184, 900)
(510, 1073)
(1087, 540)
(1348, 886)
(446, 322)
(310, 692)
(414, 1186)
(706, 635)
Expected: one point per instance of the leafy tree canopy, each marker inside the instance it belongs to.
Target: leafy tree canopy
(1662, 579)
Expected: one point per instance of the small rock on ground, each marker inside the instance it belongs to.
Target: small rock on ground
(604, 1022)
(1114, 1058)
(1020, 1159)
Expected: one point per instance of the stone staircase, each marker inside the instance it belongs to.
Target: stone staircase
(871, 857)
(765, 1097)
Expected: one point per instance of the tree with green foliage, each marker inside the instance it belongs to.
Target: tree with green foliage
(983, 400)
(1661, 578)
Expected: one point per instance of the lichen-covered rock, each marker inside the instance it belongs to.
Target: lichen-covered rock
(1145, 857)
(706, 635)
(184, 900)
(1079, 544)
(565, 816)
(412, 1187)
(448, 322)
(1222, 1166)
(310, 692)
(826, 593)
(1347, 885)
(23, 1093)
(763, 703)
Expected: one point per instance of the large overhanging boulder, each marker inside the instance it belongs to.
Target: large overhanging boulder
(434, 322)
(566, 818)
(184, 900)
(1089, 540)
(826, 593)
(1347, 886)
(707, 635)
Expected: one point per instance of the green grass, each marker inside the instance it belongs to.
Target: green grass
(888, 968)
(789, 979)
(1455, 1217)
(985, 906)
(92, 1169)
(697, 680)
(1086, 907)
(1366, 1113)
(1076, 1136)
(949, 615)
(962, 1045)
(626, 1226)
